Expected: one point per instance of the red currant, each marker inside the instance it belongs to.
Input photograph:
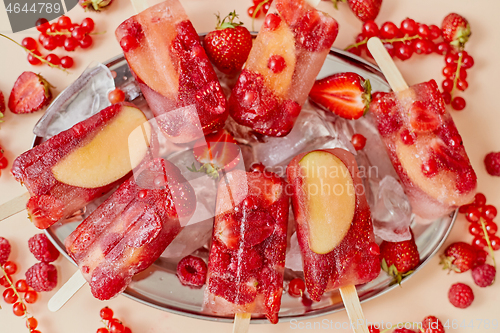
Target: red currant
(370, 29)
(54, 27)
(475, 229)
(73, 26)
(31, 323)
(42, 24)
(19, 309)
(78, 33)
(116, 327)
(60, 39)
(116, 96)
(467, 62)
(53, 59)
(297, 287)
(462, 84)
(30, 296)
(458, 103)
(251, 11)
(463, 209)
(419, 46)
(404, 52)
(265, 9)
(357, 51)
(473, 214)
(87, 24)
(41, 38)
(446, 97)
(447, 85)
(373, 329)
(67, 62)
(451, 59)
(424, 31)
(489, 212)
(491, 227)
(409, 27)
(495, 243)
(479, 242)
(64, 23)
(435, 32)
(86, 42)
(276, 63)
(34, 60)
(10, 267)
(102, 330)
(358, 141)
(3, 162)
(272, 21)
(128, 330)
(4, 282)
(70, 44)
(429, 46)
(106, 313)
(49, 43)
(388, 30)
(29, 43)
(9, 296)
(22, 286)
(442, 48)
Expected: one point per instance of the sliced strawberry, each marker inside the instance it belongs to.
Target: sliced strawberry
(447, 157)
(345, 94)
(218, 149)
(30, 93)
(422, 119)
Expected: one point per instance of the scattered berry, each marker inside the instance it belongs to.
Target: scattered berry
(492, 163)
(21, 286)
(358, 141)
(29, 43)
(9, 296)
(192, 271)
(30, 297)
(41, 247)
(297, 287)
(461, 295)
(458, 103)
(484, 275)
(431, 324)
(116, 96)
(4, 250)
(42, 277)
(87, 24)
(31, 323)
(67, 62)
(10, 267)
(459, 257)
(106, 313)
(399, 258)
(86, 42)
(19, 309)
(30, 93)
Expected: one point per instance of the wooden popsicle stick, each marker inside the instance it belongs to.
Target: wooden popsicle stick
(139, 5)
(388, 67)
(67, 291)
(14, 206)
(353, 308)
(241, 322)
(314, 3)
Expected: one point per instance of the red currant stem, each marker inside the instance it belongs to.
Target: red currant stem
(36, 56)
(393, 40)
(487, 237)
(457, 74)
(12, 285)
(259, 6)
(68, 33)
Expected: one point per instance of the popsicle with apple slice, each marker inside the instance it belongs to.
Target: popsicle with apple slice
(423, 142)
(80, 164)
(334, 227)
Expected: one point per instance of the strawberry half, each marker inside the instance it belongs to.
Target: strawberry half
(30, 93)
(228, 46)
(346, 94)
(456, 29)
(422, 119)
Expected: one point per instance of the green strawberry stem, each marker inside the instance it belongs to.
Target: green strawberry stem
(487, 237)
(393, 40)
(36, 56)
(68, 33)
(259, 6)
(208, 168)
(457, 73)
(221, 25)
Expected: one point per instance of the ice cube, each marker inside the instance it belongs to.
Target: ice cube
(191, 238)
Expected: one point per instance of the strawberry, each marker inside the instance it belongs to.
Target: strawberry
(30, 93)
(399, 258)
(345, 94)
(365, 10)
(94, 5)
(431, 324)
(217, 151)
(422, 119)
(228, 45)
(459, 257)
(456, 29)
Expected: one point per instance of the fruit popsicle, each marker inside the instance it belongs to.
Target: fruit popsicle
(334, 226)
(425, 148)
(80, 164)
(168, 61)
(285, 59)
(131, 229)
(247, 257)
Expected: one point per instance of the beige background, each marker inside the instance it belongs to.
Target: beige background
(424, 294)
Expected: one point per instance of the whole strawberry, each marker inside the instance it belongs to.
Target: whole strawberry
(456, 29)
(399, 258)
(459, 257)
(30, 93)
(94, 5)
(228, 45)
(365, 10)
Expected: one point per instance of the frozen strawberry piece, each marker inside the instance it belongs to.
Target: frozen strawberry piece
(131, 229)
(425, 149)
(52, 200)
(269, 95)
(246, 263)
(166, 57)
(355, 259)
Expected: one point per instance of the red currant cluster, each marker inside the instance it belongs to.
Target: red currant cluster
(455, 73)
(480, 215)
(3, 160)
(113, 325)
(16, 293)
(260, 7)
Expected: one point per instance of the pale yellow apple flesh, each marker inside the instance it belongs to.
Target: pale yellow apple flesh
(110, 155)
(330, 199)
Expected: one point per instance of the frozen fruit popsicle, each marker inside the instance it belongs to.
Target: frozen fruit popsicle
(165, 55)
(425, 149)
(131, 229)
(76, 166)
(247, 257)
(334, 227)
(280, 71)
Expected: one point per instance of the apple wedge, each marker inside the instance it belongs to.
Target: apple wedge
(118, 148)
(330, 199)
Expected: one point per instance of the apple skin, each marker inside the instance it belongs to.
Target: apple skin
(356, 259)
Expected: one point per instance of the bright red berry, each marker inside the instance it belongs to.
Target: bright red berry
(21, 286)
(31, 323)
(34, 60)
(388, 30)
(102, 330)
(484, 275)
(297, 287)
(272, 21)
(30, 297)
(479, 242)
(49, 43)
(29, 43)
(495, 242)
(87, 24)
(358, 141)
(431, 324)
(106, 313)
(435, 32)
(447, 85)
(458, 103)
(41, 247)
(442, 48)
(67, 62)
(10, 267)
(42, 277)
(423, 31)
(9, 296)
(116, 327)
(116, 96)
(63, 23)
(409, 27)
(370, 29)
(467, 62)
(53, 59)
(70, 44)
(446, 97)
(78, 33)
(460, 295)
(19, 309)
(86, 42)
(42, 24)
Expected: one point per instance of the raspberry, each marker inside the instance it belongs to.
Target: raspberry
(4, 250)
(42, 276)
(42, 248)
(460, 295)
(431, 324)
(481, 256)
(484, 275)
(192, 271)
(492, 163)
